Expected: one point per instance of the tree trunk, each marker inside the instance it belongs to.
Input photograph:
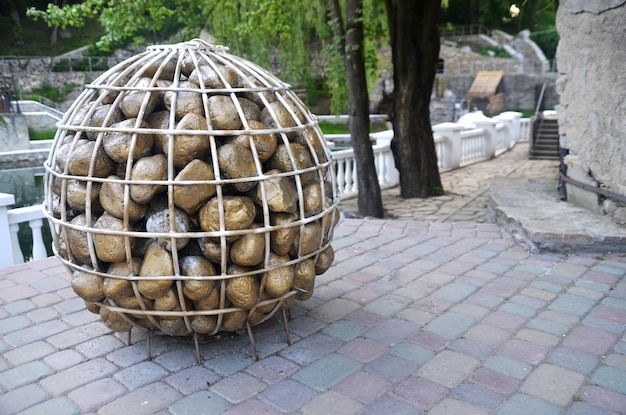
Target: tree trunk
(351, 41)
(54, 35)
(16, 24)
(414, 33)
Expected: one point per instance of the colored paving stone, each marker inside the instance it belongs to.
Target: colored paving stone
(288, 395)
(332, 403)
(573, 359)
(327, 371)
(572, 304)
(603, 397)
(478, 396)
(508, 366)
(413, 318)
(363, 386)
(523, 351)
(450, 325)
(420, 393)
(391, 368)
(611, 378)
(495, 381)
(448, 368)
(521, 404)
(591, 340)
(553, 384)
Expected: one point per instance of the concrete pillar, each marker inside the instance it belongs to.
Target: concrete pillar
(452, 134)
(489, 126)
(513, 119)
(6, 259)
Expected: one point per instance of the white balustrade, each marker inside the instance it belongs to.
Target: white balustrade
(474, 144)
(10, 220)
(455, 145)
(524, 132)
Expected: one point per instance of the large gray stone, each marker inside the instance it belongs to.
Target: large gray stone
(13, 133)
(592, 86)
(532, 213)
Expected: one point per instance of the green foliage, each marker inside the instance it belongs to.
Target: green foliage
(85, 64)
(291, 37)
(53, 93)
(526, 113)
(535, 15)
(436, 191)
(36, 135)
(35, 38)
(333, 128)
(496, 51)
(547, 41)
(122, 20)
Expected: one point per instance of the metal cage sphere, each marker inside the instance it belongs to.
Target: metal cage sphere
(189, 191)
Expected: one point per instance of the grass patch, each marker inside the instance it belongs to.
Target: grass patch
(53, 93)
(36, 38)
(494, 51)
(335, 128)
(36, 135)
(526, 113)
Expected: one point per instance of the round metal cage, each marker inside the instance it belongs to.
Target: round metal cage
(189, 191)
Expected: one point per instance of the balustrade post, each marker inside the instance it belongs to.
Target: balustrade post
(39, 247)
(18, 255)
(513, 118)
(452, 143)
(392, 176)
(489, 126)
(6, 259)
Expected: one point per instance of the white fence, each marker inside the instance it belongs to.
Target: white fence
(456, 146)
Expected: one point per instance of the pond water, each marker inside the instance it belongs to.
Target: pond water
(26, 184)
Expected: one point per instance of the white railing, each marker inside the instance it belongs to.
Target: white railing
(455, 145)
(524, 133)
(10, 220)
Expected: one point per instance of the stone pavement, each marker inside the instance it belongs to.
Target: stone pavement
(434, 312)
(413, 318)
(465, 190)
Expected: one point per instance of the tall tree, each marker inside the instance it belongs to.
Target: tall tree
(350, 38)
(414, 37)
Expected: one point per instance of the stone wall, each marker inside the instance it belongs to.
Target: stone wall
(521, 84)
(520, 91)
(13, 133)
(592, 112)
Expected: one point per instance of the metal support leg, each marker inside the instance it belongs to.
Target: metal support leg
(148, 346)
(197, 345)
(256, 355)
(285, 311)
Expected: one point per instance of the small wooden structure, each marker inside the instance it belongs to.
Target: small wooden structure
(485, 93)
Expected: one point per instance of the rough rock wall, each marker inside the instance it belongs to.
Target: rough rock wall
(592, 88)
(13, 133)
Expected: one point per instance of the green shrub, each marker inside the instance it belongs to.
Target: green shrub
(41, 134)
(498, 51)
(547, 41)
(86, 64)
(333, 128)
(53, 93)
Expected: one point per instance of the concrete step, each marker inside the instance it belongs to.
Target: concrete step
(533, 214)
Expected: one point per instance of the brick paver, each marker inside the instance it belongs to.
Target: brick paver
(414, 317)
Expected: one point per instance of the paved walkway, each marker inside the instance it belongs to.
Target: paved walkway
(465, 189)
(414, 317)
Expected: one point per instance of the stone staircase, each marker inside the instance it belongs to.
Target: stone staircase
(544, 144)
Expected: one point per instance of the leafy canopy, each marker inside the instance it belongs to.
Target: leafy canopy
(293, 37)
